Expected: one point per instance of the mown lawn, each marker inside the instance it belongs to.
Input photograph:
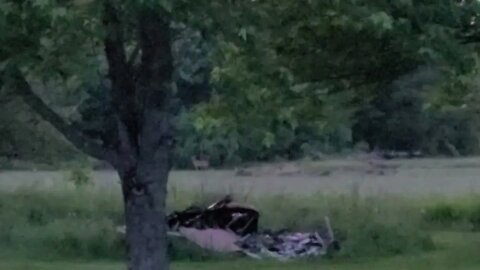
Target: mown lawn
(457, 251)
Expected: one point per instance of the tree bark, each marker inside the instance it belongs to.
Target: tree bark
(144, 192)
(145, 181)
(144, 186)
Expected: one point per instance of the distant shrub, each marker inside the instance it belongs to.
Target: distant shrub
(444, 215)
(461, 215)
(474, 217)
(80, 177)
(400, 117)
(452, 132)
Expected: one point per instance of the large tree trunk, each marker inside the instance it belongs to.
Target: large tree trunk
(144, 190)
(141, 100)
(146, 226)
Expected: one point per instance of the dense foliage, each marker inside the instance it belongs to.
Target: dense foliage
(303, 77)
(264, 79)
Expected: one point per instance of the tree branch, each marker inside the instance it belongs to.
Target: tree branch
(467, 39)
(121, 75)
(88, 146)
(154, 81)
(156, 68)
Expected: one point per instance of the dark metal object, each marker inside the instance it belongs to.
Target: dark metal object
(241, 220)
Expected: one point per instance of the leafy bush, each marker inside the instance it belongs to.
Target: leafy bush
(400, 117)
(197, 135)
(453, 127)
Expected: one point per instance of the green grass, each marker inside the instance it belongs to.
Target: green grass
(424, 177)
(80, 224)
(74, 228)
(456, 251)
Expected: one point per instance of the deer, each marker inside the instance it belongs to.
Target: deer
(200, 163)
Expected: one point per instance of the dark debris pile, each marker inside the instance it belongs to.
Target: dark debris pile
(230, 227)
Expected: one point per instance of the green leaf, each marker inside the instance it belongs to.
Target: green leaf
(199, 124)
(59, 12)
(73, 82)
(407, 3)
(268, 139)
(167, 5)
(46, 42)
(216, 74)
(243, 33)
(340, 20)
(41, 3)
(300, 87)
(4, 64)
(6, 8)
(83, 2)
(427, 52)
(382, 20)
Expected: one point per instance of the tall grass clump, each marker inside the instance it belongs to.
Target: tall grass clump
(80, 177)
(364, 226)
(69, 224)
(461, 214)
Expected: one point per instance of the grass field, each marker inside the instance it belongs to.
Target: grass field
(457, 251)
(386, 215)
(449, 177)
